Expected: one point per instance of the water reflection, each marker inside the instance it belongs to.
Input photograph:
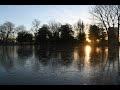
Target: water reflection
(78, 58)
(76, 55)
(113, 58)
(60, 65)
(87, 53)
(7, 57)
(23, 54)
(60, 55)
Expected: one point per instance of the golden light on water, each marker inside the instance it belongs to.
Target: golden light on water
(87, 50)
(97, 50)
(87, 53)
(76, 56)
(106, 50)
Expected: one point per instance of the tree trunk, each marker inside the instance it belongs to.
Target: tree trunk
(118, 30)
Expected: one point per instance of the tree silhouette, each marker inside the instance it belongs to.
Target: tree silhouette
(24, 36)
(81, 37)
(7, 32)
(94, 34)
(81, 34)
(54, 29)
(66, 33)
(35, 26)
(103, 36)
(20, 28)
(108, 16)
(43, 34)
(79, 28)
(2, 34)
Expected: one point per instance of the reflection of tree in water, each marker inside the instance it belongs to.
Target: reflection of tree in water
(24, 52)
(96, 56)
(7, 57)
(43, 54)
(79, 57)
(53, 55)
(66, 57)
(108, 72)
(113, 58)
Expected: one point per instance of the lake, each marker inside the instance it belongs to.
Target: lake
(68, 65)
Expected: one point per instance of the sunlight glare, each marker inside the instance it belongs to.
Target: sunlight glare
(87, 53)
(88, 50)
(97, 50)
(88, 40)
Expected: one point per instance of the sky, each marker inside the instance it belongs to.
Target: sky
(25, 14)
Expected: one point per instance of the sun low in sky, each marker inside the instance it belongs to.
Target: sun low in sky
(25, 14)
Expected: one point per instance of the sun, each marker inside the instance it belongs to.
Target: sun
(87, 39)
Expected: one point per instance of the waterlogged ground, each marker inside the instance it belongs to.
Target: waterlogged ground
(68, 65)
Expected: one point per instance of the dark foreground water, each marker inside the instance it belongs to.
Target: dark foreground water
(40, 65)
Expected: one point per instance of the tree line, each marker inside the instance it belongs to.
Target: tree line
(53, 32)
(105, 30)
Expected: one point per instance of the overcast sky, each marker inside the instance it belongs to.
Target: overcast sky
(25, 14)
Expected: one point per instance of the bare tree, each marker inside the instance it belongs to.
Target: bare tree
(107, 15)
(35, 26)
(54, 26)
(54, 29)
(9, 29)
(2, 33)
(79, 28)
(20, 28)
(116, 10)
